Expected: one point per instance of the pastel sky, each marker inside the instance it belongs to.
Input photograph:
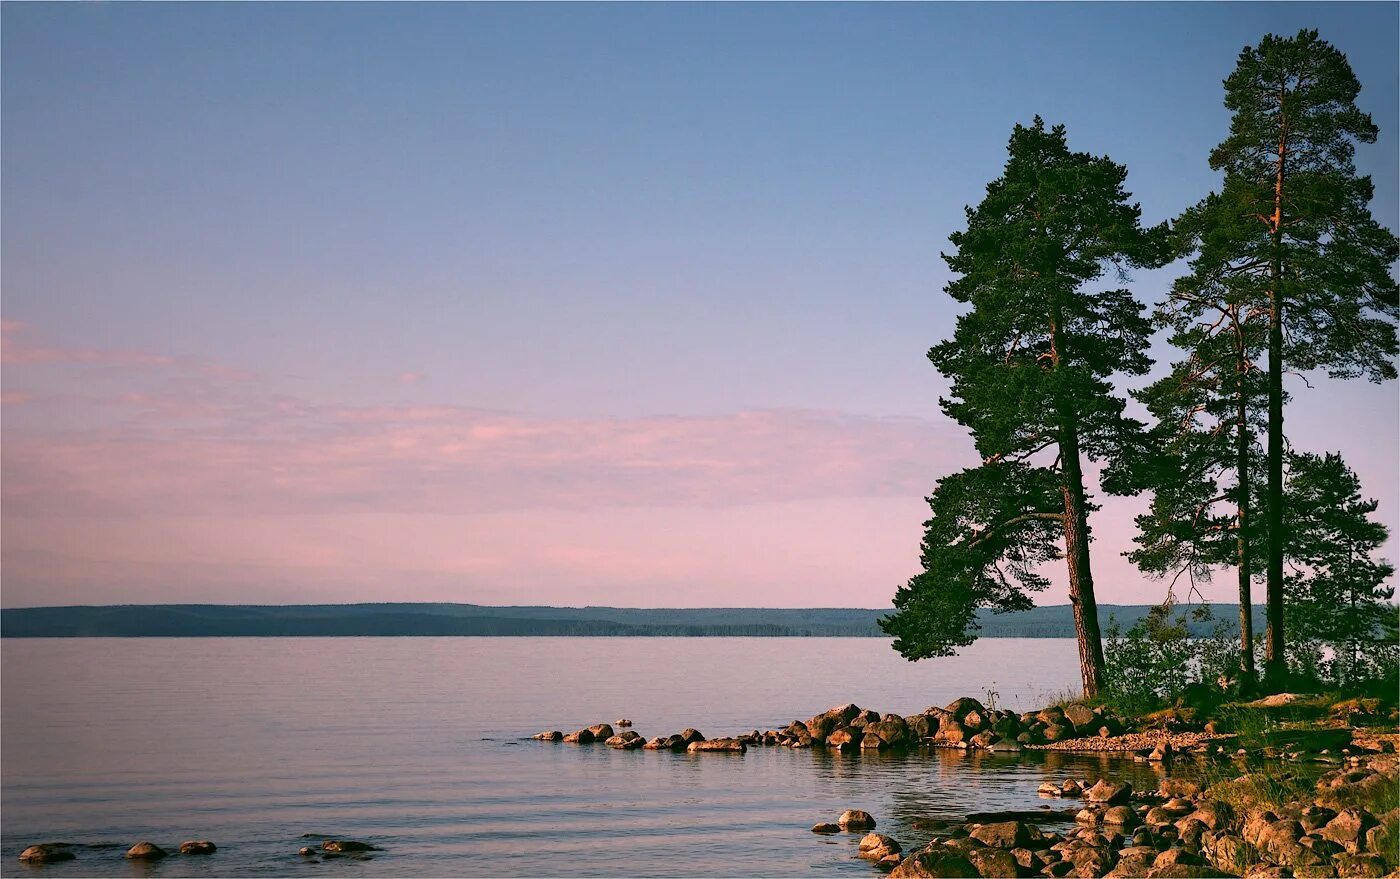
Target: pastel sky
(552, 304)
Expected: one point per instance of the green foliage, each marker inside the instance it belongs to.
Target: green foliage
(1341, 623)
(1157, 661)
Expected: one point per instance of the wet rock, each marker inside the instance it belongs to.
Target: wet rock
(856, 819)
(1109, 792)
(1091, 860)
(348, 845)
(551, 736)
(658, 744)
(1089, 817)
(826, 828)
(960, 708)
(601, 731)
(951, 732)
(1161, 753)
(146, 851)
(872, 742)
(1004, 834)
(975, 720)
(877, 846)
(197, 847)
(892, 731)
(626, 741)
(921, 726)
(723, 746)
(847, 738)
(582, 737)
(623, 722)
(46, 853)
(983, 739)
(935, 862)
(690, 736)
(1057, 732)
(1028, 859)
(1081, 716)
(964, 844)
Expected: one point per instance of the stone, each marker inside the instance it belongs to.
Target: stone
(1314, 871)
(623, 722)
(146, 851)
(601, 731)
(1092, 860)
(1110, 792)
(960, 708)
(975, 720)
(1028, 859)
(964, 844)
(983, 739)
(1161, 753)
(1089, 817)
(893, 732)
(992, 861)
(1121, 816)
(1081, 716)
(855, 819)
(1348, 828)
(921, 726)
(658, 744)
(690, 736)
(872, 742)
(848, 738)
(348, 845)
(582, 737)
(551, 736)
(1049, 789)
(1004, 746)
(935, 862)
(826, 827)
(306, 851)
(1182, 871)
(721, 746)
(1325, 847)
(46, 853)
(197, 847)
(1268, 871)
(1004, 834)
(1056, 732)
(876, 846)
(1212, 813)
(1229, 853)
(1179, 787)
(1175, 855)
(626, 741)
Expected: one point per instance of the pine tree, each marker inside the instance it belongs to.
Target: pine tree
(1208, 411)
(1295, 209)
(1029, 365)
(1337, 589)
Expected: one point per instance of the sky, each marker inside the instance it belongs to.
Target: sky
(554, 304)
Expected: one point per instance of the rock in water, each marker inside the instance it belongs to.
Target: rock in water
(934, 862)
(198, 847)
(623, 722)
(732, 746)
(551, 736)
(1004, 834)
(877, 846)
(348, 845)
(855, 819)
(46, 853)
(1109, 792)
(826, 828)
(146, 851)
(601, 731)
(582, 737)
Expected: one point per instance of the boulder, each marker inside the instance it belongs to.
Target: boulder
(1179, 787)
(950, 732)
(1004, 834)
(893, 731)
(921, 726)
(46, 853)
(1121, 816)
(551, 736)
(983, 739)
(959, 708)
(832, 719)
(626, 741)
(847, 738)
(146, 851)
(582, 737)
(1176, 855)
(1004, 746)
(689, 735)
(872, 742)
(1315, 871)
(723, 746)
(975, 720)
(307, 851)
(1092, 860)
(658, 744)
(601, 731)
(876, 846)
(1057, 732)
(992, 862)
(1110, 792)
(1183, 871)
(197, 847)
(1081, 717)
(1348, 828)
(1212, 813)
(855, 819)
(623, 722)
(935, 862)
(1229, 853)
(826, 828)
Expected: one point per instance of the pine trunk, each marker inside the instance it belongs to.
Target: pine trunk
(1274, 665)
(1081, 578)
(1242, 547)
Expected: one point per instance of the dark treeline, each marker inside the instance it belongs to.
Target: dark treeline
(368, 620)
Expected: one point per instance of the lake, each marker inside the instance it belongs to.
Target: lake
(421, 745)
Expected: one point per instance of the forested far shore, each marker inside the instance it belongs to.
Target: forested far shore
(216, 620)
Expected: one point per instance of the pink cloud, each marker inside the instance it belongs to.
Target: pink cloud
(409, 378)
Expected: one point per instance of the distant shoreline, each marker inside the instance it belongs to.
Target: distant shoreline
(472, 620)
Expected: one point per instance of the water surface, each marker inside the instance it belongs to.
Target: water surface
(419, 745)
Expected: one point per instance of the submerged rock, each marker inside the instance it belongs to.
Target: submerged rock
(146, 851)
(348, 845)
(46, 853)
(197, 847)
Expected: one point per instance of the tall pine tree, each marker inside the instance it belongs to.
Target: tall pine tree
(1030, 366)
(1293, 206)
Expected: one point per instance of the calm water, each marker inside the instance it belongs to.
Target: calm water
(416, 744)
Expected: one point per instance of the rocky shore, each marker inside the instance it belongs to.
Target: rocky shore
(1232, 811)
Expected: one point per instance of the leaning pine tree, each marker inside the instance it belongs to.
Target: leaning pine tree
(1029, 366)
(1294, 207)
